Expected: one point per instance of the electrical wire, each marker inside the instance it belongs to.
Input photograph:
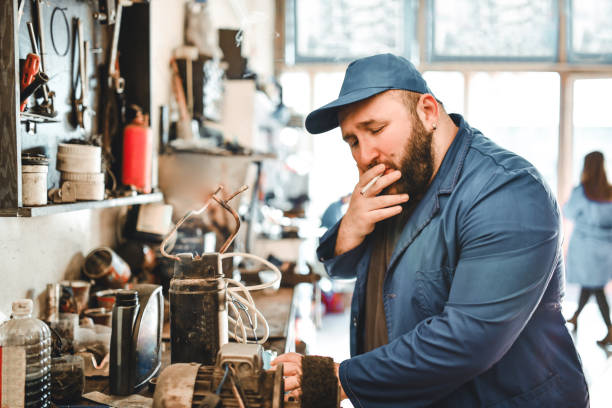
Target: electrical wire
(218, 391)
(243, 307)
(248, 305)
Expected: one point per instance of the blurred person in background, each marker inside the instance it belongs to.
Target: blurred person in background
(589, 256)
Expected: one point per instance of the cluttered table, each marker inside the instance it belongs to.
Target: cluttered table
(277, 306)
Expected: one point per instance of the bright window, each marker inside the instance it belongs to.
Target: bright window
(493, 30)
(334, 173)
(296, 91)
(590, 30)
(592, 123)
(447, 87)
(343, 30)
(520, 112)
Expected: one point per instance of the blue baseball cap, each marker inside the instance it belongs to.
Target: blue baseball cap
(364, 78)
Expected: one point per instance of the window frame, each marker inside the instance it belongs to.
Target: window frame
(292, 29)
(433, 57)
(580, 57)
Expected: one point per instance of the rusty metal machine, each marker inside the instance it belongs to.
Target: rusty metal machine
(236, 380)
(207, 371)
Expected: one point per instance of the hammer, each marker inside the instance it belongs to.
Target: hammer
(189, 53)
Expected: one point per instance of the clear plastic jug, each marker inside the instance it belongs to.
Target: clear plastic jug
(35, 337)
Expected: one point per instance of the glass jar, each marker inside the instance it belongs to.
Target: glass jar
(67, 379)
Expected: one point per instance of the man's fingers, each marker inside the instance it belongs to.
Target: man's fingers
(372, 172)
(287, 358)
(384, 213)
(290, 368)
(292, 382)
(387, 201)
(381, 183)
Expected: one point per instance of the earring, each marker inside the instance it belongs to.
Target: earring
(434, 126)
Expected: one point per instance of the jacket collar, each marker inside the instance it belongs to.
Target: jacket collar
(443, 184)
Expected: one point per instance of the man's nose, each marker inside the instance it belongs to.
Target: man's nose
(368, 154)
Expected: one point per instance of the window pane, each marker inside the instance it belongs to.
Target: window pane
(447, 88)
(342, 30)
(334, 172)
(520, 112)
(590, 30)
(592, 122)
(494, 30)
(296, 91)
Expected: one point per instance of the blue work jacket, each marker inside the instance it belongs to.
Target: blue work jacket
(471, 295)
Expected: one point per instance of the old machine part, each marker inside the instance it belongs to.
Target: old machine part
(200, 296)
(236, 380)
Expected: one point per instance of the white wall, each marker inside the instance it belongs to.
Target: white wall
(40, 250)
(255, 17)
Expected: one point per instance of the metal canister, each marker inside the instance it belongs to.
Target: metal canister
(107, 268)
(34, 169)
(198, 310)
(122, 365)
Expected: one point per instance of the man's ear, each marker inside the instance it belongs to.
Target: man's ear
(428, 111)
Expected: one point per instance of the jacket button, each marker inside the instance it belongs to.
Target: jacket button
(355, 321)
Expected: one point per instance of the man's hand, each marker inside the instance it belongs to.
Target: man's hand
(366, 208)
(292, 371)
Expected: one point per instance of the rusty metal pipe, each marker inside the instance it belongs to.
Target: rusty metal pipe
(224, 204)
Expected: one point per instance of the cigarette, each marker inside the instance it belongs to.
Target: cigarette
(370, 184)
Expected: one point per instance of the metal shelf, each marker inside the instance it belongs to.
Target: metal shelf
(80, 205)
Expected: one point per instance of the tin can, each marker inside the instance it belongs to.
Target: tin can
(34, 169)
(107, 268)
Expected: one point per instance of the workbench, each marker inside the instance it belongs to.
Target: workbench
(278, 307)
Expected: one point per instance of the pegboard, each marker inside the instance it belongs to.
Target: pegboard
(62, 66)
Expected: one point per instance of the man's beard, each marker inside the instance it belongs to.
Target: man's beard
(416, 163)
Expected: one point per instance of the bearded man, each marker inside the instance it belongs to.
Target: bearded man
(456, 247)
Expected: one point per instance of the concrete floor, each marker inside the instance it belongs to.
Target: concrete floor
(331, 339)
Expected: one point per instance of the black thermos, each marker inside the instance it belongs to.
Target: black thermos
(122, 370)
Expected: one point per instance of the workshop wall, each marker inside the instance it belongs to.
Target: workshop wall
(40, 250)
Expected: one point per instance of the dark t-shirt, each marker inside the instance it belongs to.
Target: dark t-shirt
(386, 234)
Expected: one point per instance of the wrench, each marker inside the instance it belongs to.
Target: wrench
(114, 79)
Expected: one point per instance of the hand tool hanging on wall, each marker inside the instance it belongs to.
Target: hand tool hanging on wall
(183, 126)
(107, 13)
(81, 111)
(30, 69)
(113, 104)
(115, 81)
(46, 108)
(37, 81)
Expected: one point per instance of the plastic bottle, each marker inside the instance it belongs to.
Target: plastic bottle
(35, 337)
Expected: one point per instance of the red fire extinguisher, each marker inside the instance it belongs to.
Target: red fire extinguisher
(137, 152)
